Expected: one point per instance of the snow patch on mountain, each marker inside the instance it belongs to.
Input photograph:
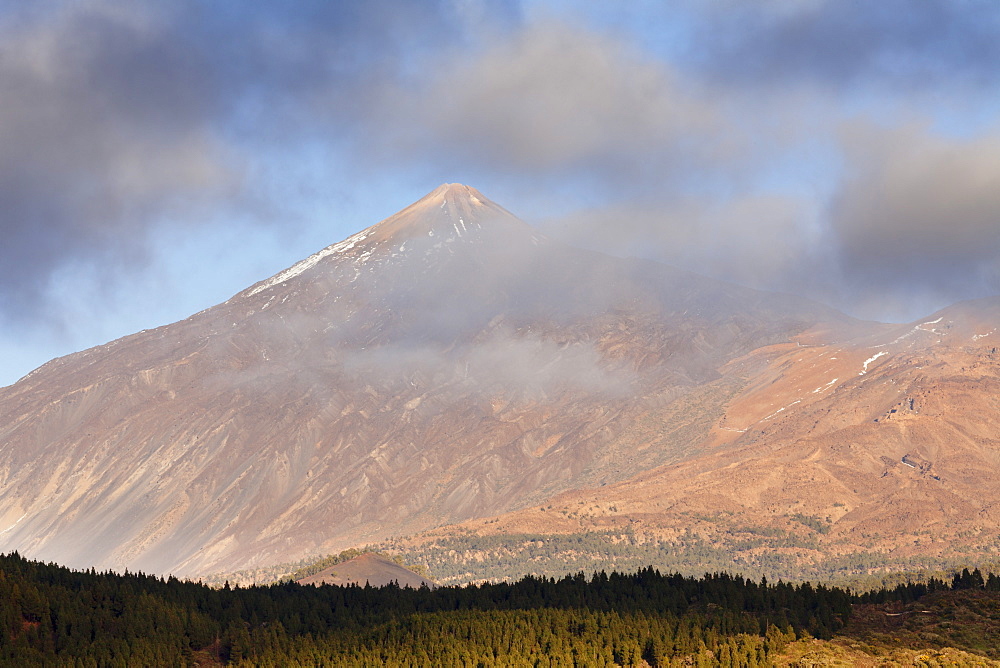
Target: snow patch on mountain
(825, 387)
(871, 359)
(780, 410)
(311, 261)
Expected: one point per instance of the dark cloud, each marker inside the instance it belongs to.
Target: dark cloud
(554, 101)
(919, 212)
(708, 152)
(90, 144)
(898, 43)
(116, 116)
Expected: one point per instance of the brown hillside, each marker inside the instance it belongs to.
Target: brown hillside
(371, 569)
(886, 445)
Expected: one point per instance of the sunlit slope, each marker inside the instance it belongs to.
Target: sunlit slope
(447, 363)
(886, 446)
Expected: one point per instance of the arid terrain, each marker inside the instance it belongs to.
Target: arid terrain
(881, 449)
(452, 367)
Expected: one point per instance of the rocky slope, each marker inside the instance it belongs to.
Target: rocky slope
(885, 447)
(445, 364)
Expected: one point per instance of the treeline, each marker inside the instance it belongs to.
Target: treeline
(324, 563)
(908, 592)
(50, 615)
(460, 559)
(260, 574)
(303, 568)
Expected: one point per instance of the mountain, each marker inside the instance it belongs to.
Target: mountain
(368, 569)
(447, 363)
(832, 459)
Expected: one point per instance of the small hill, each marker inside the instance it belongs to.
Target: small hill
(370, 568)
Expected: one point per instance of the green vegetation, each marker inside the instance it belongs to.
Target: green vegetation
(755, 552)
(324, 563)
(467, 558)
(813, 523)
(959, 622)
(263, 575)
(52, 616)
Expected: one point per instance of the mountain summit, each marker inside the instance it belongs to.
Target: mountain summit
(449, 211)
(445, 364)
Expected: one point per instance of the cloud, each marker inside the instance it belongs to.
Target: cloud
(117, 117)
(519, 366)
(897, 43)
(766, 241)
(553, 100)
(906, 224)
(702, 134)
(93, 139)
(919, 211)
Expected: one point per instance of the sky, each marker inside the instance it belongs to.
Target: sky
(158, 157)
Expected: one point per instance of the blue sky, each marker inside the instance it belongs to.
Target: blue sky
(157, 157)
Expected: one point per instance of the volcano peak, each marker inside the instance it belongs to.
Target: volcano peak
(457, 192)
(450, 210)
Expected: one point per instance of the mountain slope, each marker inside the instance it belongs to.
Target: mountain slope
(447, 363)
(833, 458)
